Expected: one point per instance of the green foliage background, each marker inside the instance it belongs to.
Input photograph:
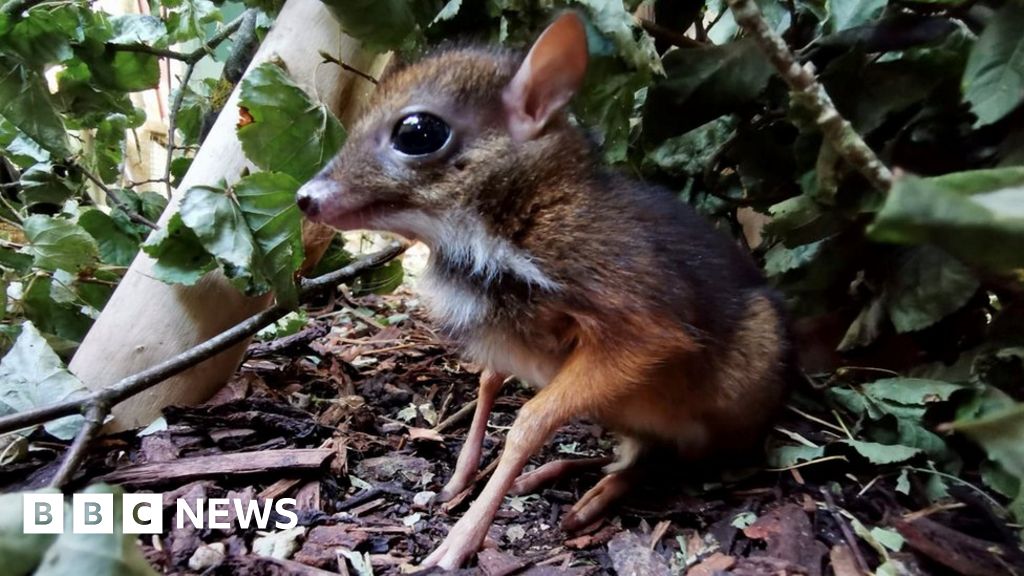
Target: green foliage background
(915, 291)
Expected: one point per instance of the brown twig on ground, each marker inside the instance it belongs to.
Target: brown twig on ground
(97, 404)
(300, 338)
(844, 526)
(76, 452)
(236, 463)
(838, 132)
(461, 414)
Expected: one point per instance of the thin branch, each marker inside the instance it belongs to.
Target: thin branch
(152, 50)
(717, 18)
(194, 56)
(191, 59)
(132, 385)
(94, 419)
(147, 181)
(836, 129)
(331, 59)
(172, 121)
(670, 36)
(844, 527)
(116, 200)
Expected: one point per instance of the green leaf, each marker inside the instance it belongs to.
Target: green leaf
(67, 322)
(866, 327)
(888, 538)
(977, 216)
(43, 36)
(115, 245)
(32, 376)
(1002, 437)
(381, 280)
(25, 102)
(105, 152)
(702, 84)
(605, 104)
(688, 154)
(19, 148)
(20, 263)
(927, 286)
(615, 22)
(59, 244)
(288, 133)
(180, 256)
(20, 553)
(843, 14)
(100, 554)
(450, 10)
(267, 202)
(911, 391)
(196, 104)
(786, 455)
(187, 19)
(993, 81)
(997, 478)
(86, 103)
(780, 259)
(882, 453)
(125, 71)
(40, 184)
(222, 230)
(138, 29)
(334, 258)
(380, 24)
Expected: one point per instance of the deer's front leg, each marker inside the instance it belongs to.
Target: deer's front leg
(469, 457)
(584, 385)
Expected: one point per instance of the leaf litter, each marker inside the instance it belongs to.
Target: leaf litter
(352, 415)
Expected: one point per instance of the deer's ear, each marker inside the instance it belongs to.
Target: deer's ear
(548, 78)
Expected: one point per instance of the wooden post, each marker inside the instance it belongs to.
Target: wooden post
(147, 321)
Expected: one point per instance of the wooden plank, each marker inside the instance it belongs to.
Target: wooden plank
(237, 463)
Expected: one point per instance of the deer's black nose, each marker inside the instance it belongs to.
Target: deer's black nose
(306, 203)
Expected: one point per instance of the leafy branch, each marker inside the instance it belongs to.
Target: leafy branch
(837, 130)
(193, 57)
(97, 404)
(116, 200)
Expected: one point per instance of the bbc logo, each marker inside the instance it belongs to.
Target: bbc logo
(93, 513)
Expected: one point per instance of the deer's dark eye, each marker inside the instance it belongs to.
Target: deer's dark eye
(419, 134)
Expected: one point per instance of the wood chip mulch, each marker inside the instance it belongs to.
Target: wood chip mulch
(353, 417)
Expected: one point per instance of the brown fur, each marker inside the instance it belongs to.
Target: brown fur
(617, 300)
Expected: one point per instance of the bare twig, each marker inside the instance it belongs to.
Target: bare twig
(117, 201)
(465, 412)
(331, 59)
(127, 387)
(172, 123)
(844, 526)
(677, 39)
(146, 181)
(836, 129)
